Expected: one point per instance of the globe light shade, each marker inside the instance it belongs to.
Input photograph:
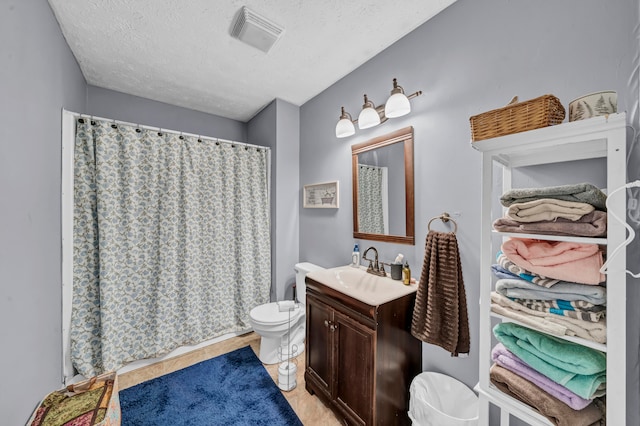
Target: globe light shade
(397, 105)
(345, 128)
(368, 118)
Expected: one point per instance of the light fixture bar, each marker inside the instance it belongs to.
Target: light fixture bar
(380, 108)
(396, 106)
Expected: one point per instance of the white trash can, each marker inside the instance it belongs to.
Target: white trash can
(440, 400)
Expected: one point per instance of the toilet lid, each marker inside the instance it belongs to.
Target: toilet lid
(270, 314)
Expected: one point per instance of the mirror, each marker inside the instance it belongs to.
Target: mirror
(382, 171)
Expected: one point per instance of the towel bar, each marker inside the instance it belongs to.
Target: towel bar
(445, 218)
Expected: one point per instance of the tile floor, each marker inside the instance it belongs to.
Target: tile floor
(309, 408)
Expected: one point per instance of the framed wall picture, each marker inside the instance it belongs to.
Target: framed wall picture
(321, 196)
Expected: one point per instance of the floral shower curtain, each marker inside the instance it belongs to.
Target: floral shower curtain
(171, 242)
(370, 206)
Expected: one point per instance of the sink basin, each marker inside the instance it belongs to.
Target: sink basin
(365, 287)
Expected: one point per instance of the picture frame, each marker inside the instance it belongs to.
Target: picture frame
(325, 195)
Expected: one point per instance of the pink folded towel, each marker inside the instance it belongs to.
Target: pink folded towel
(562, 260)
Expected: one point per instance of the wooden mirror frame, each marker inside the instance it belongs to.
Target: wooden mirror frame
(403, 135)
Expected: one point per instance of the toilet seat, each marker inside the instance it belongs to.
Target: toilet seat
(269, 314)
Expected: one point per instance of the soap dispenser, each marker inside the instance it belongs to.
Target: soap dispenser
(406, 274)
(355, 257)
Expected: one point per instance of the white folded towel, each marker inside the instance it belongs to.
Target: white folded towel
(286, 305)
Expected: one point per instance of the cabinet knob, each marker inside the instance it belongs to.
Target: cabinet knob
(333, 327)
(326, 323)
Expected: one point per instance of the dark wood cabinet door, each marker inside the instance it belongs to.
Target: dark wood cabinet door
(318, 343)
(354, 345)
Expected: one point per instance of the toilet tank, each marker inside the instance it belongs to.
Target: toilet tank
(301, 272)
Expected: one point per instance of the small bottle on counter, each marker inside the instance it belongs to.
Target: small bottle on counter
(355, 257)
(406, 274)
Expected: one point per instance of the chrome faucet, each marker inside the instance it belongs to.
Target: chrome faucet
(375, 267)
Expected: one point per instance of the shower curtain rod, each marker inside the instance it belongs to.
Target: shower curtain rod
(160, 129)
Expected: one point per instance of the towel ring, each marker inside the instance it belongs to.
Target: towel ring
(445, 218)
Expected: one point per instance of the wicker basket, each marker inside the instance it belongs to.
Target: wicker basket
(517, 117)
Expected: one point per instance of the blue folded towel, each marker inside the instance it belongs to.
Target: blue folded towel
(521, 289)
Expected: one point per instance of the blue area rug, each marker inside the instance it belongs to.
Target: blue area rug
(231, 389)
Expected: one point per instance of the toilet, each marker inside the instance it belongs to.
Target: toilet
(273, 325)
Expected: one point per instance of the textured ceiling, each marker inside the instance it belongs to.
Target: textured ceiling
(181, 53)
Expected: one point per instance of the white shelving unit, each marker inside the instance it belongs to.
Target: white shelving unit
(600, 137)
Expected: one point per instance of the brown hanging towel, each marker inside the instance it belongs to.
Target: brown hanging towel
(440, 313)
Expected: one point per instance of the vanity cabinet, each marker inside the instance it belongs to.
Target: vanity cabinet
(360, 359)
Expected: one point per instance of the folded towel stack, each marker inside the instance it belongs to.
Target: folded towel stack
(575, 210)
(580, 369)
(553, 408)
(537, 276)
(558, 378)
(549, 322)
(554, 287)
(515, 287)
(506, 359)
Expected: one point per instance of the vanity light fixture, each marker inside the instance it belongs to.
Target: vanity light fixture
(368, 117)
(396, 106)
(345, 125)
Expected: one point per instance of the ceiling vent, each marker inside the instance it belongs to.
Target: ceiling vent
(256, 30)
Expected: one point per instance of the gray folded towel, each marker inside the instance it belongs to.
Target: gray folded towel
(593, 224)
(581, 192)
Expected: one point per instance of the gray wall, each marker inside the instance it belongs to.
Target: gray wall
(287, 182)
(261, 130)
(473, 57)
(277, 126)
(120, 106)
(38, 77)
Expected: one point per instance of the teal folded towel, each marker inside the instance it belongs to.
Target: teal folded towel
(580, 369)
(581, 192)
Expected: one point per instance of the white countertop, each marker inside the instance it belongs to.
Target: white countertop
(358, 284)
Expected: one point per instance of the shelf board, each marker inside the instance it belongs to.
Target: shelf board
(581, 140)
(585, 240)
(579, 340)
(513, 406)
